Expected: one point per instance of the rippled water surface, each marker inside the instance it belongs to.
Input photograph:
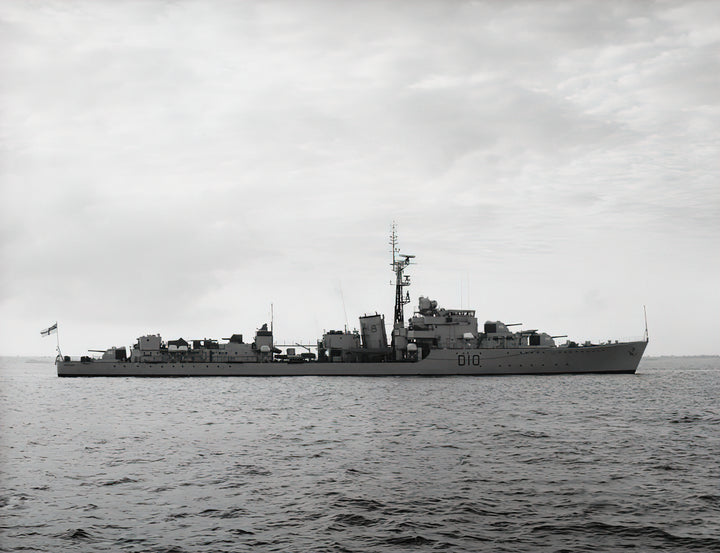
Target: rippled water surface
(546, 463)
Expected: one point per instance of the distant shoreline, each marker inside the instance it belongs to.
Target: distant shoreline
(709, 356)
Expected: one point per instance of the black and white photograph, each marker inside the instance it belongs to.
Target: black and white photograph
(359, 276)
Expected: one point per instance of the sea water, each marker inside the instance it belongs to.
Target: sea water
(515, 463)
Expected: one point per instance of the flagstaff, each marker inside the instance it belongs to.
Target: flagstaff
(53, 329)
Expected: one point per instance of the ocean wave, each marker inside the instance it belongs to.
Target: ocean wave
(352, 519)
(77, 534)
(123, 480)
(408, 541)
(662, 537)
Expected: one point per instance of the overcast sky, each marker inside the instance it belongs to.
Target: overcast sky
(178, 166)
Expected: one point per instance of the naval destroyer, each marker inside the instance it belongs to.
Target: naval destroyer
(433, 342)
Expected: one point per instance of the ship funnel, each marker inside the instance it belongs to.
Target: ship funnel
(372, 331)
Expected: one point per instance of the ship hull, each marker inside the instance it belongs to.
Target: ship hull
(609, 358)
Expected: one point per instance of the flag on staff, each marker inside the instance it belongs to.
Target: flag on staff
(49, 331)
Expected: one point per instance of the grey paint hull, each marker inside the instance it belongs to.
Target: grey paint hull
(610, 358)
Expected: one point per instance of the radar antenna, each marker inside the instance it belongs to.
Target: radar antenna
(399, 262)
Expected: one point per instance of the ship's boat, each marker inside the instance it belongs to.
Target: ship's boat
(434, 342)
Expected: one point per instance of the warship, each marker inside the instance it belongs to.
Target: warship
(434, 342)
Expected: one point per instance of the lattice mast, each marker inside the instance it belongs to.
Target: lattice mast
(399, 262)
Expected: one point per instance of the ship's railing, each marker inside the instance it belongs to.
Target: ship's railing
(602, 341)
(78, 359)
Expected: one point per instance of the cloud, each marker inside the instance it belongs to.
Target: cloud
(184, 163)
